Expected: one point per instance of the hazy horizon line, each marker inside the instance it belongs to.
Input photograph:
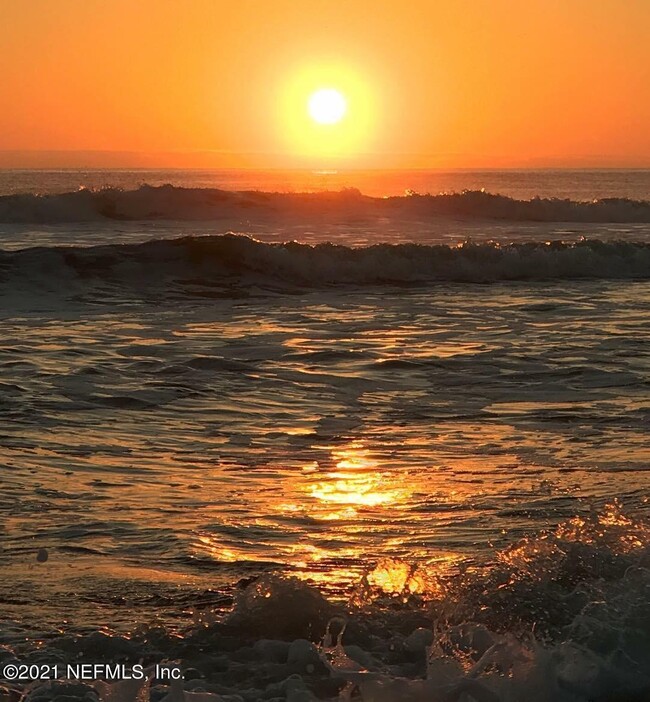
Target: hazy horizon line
(101, 159)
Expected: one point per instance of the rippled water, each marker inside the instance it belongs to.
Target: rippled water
(315, 433)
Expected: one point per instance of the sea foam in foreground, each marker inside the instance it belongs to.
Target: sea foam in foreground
(559, 617)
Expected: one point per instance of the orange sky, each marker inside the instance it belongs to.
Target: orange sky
(431, 84)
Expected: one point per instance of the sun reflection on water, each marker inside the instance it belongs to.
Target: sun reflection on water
(356, 482)
(350, 515)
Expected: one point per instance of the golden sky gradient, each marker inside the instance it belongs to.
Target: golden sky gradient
(226, 83)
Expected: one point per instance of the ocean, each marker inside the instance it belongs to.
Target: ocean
(246, 412)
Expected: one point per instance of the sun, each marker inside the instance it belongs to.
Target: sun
(327, 106)
(324, 112)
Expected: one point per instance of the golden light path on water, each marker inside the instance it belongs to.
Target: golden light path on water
(351, 501)
(355, 482)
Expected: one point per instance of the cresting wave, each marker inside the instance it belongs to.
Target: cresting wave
(196, 264)
(169, 202)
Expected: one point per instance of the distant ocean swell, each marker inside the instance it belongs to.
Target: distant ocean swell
(169, 202)
(239, 260)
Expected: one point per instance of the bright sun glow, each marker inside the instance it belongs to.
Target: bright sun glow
(327, 106)
(326, 112)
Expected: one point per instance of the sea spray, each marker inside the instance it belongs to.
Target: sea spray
(421, 648)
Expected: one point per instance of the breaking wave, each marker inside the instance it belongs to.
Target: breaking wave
(169, 202)
(561, 616)
(199, 264)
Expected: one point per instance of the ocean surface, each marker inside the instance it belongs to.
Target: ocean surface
(245, 409)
